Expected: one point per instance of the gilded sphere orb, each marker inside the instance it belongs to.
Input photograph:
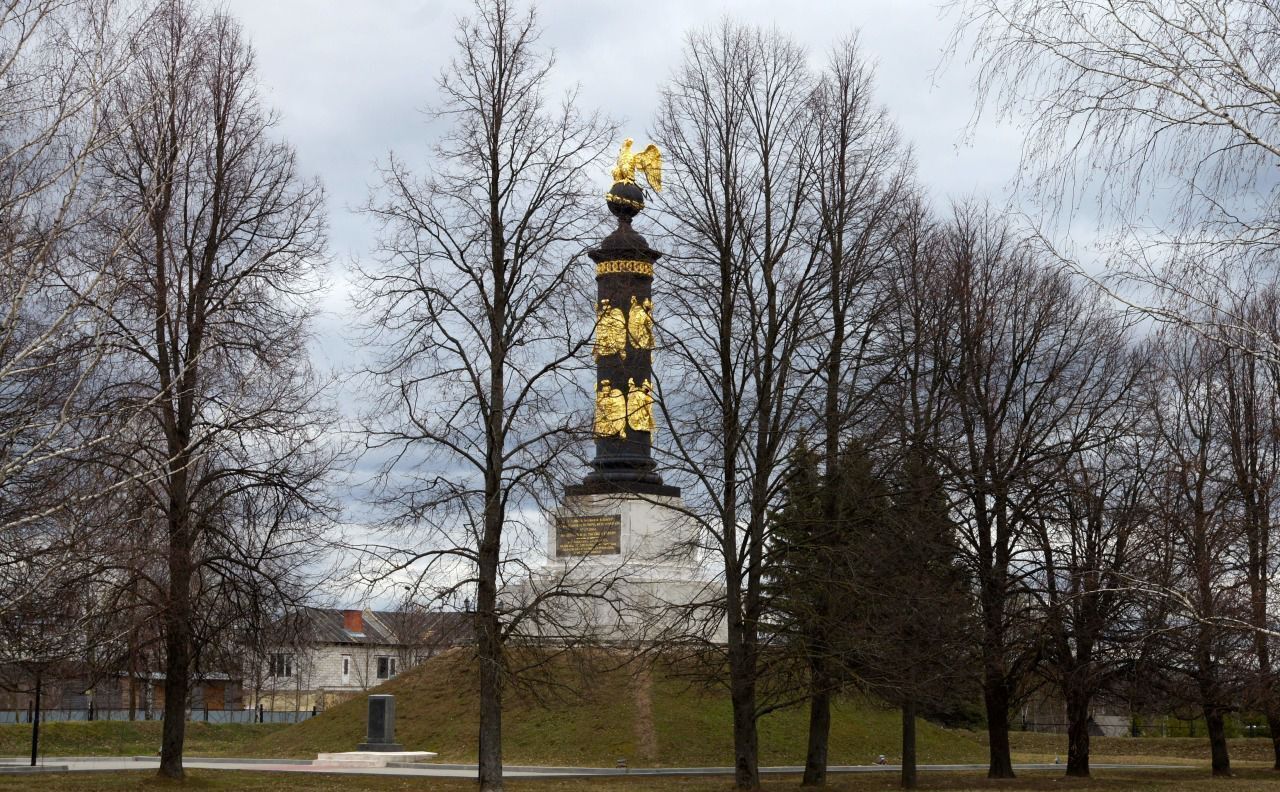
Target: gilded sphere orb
(626, 199)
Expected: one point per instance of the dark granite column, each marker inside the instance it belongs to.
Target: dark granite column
(624, 358)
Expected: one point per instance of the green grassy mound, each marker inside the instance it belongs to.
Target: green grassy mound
(131, 738)
(651, 719)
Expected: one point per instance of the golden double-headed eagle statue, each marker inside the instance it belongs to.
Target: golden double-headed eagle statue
(648, 162)
(616, 411)
(614, 328)
(611, 411)
(611, 331)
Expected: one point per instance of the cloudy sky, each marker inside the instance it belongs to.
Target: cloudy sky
(351, 81)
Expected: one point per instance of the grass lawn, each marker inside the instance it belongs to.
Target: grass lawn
(1034, 746)
(1155, 781)
(132, 738)
(651, 719)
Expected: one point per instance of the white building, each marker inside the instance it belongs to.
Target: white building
(326, 655)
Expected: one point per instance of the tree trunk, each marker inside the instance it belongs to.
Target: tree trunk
(741, 656)
(1258, 583)
(909, 745)
(1077, 731)
(1273, 726)
(1260, 556)
(815, 763)
(35, 723)
(489, 644)
(742, 691)
(746, 749)
(1217, 742)
(178, 618)
(133, 677)
(995, 696)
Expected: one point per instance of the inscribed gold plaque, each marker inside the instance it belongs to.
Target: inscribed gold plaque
(587, 535)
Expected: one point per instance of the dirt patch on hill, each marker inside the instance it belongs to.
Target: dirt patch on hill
(646, 735)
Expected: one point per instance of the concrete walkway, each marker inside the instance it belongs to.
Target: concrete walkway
(77, 764)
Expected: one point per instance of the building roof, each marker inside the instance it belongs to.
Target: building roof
(385, 628)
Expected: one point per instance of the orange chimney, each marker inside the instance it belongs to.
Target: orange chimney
(353, 621)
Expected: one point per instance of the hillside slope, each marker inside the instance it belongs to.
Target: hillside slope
(649, 719)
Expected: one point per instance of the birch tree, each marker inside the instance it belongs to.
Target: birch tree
(1165, 114)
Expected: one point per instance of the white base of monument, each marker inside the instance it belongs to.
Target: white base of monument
(369, 758)
(630, 565)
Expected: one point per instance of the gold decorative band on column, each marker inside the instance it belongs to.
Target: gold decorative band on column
(625, 266)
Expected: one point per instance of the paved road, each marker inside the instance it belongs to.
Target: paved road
(87, 764)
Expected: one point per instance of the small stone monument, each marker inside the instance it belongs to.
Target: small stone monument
(379, 748)
(380, 734)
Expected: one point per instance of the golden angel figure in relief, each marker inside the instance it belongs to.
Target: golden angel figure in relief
(648, 162)
(611, 332)
(640, 406)
(611, 411)
(640, 323)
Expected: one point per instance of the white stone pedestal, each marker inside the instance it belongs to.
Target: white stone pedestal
(632, 564)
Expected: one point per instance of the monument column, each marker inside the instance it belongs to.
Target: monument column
(621, 523)
(624, 341)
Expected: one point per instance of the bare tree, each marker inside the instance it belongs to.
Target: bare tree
(1027, 360)
(1166, 112)
(919, 405)
(733, 123)
(59, 537)
(1250, 403)
(1096, 535)
(208, 336)
(475, 306)
(1194, 493)
(56, 60)
(861, 175)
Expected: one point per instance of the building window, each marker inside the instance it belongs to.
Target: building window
(280, 665)
(346, 666)
(386, 667)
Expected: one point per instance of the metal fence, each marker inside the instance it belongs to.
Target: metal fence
(200, 715)
(1157, 726)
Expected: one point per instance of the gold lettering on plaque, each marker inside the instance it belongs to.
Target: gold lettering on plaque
(590, 534)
